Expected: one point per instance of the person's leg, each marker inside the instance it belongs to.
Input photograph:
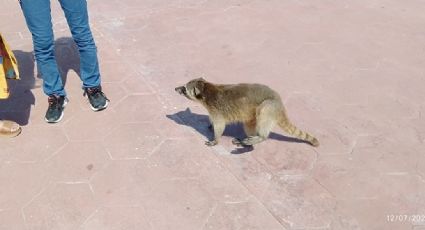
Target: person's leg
(39, 22)
(77, 17)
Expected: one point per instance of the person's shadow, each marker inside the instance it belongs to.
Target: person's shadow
(67, 57)
(18, 106)
(202, 125)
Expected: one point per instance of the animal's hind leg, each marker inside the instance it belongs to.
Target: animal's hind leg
(250, 128)
(265, 121)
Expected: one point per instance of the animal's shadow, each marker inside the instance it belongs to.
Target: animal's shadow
(201, 124)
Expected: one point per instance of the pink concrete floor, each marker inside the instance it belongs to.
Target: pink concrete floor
(350, 72)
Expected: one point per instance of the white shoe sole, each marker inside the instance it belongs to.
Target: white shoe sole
(60, 118)
(99, 109)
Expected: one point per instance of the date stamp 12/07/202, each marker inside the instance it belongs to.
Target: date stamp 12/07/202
(414, 219)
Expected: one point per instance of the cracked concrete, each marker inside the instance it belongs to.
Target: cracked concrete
(351, 73)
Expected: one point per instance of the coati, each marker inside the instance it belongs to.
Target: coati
(257, 106)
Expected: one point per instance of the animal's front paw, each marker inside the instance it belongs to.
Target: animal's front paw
(210, 143)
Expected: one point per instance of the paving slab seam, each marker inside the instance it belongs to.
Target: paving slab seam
(89, 217)
(212, 211)
(31, 200)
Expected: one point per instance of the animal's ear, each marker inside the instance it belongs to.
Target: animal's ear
(199, 89)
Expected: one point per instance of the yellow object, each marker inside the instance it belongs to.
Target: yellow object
(8, 67)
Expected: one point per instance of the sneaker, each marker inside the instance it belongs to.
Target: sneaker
(98, 100)
(56, 106)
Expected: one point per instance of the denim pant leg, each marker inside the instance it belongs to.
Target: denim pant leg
(77, 17)
(39, 22)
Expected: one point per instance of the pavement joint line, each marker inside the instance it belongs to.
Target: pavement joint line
(72, 182)
(324, 187)
(55, 153)
(211, 213)
(243, 185)
(32, 199)
(156, 148)
(91, 188)
(89, 217)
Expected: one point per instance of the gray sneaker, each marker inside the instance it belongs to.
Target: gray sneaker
(57, 104)
(98, 100)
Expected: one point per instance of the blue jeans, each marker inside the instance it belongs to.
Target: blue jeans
(39, 20)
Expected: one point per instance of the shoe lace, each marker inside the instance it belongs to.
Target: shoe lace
(53, 101)
(95, 92)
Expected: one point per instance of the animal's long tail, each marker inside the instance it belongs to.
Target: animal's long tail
(288, 127)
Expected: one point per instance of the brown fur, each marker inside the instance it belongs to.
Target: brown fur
(257, 106)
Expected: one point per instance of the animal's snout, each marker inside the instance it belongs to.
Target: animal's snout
(181, 90)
